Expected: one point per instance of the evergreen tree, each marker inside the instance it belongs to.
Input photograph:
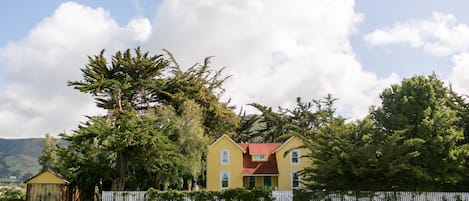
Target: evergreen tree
(48, 158)
(158, 124)
(417, 111)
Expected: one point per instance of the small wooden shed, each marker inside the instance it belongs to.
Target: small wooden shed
(46, 186)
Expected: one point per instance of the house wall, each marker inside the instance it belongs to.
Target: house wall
(285, 167)
(214, 166)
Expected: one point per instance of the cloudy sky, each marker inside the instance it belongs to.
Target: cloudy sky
(275, 50)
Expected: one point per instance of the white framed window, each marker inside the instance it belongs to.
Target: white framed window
(295, 157)
(224, 179)
(295, 180)
(259, 157)
(225, 157)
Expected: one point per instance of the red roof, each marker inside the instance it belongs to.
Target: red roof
(244, 146)
(260, 148)
(259, 167)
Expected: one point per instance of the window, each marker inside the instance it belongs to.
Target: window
(225, 157)
(295, 180)
(224, 179)
(259, 157)
(295, 157)
(252, 182)
(267, 181)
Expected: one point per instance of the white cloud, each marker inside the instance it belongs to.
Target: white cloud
(275, 51)
(441, 35)
(34, 98)
(459, 76)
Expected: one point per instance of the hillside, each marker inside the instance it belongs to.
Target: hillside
(18, 158)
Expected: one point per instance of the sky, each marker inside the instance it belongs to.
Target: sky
(274, 50)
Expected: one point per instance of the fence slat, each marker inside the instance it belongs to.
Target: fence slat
(288, 196)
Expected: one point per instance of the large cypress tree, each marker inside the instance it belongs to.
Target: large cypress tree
(156, 112)
(417, 111)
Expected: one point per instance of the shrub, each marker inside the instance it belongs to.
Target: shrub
(12, 195)
(236, 194)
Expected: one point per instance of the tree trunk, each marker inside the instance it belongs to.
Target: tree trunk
(118, 183)
(189, 184)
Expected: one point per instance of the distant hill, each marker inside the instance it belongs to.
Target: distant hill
(19, 158)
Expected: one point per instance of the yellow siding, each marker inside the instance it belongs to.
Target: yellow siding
(46, 178)
(274, 182)
(259, 182)
(284, 166)
(214, 166)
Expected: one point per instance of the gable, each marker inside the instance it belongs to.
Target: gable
(225, 141)
(291, 143)
(46, 177)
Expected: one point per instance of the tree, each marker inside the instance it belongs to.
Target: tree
(417, 110)
(303, 120)
(249, 128)
(158, 124)
(123, 88)
(48, 158)
(461, 105)
(204, 86)
(187, 131)
(126, 84)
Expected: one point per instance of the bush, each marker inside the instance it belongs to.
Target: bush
(236, 194)
(12, 195)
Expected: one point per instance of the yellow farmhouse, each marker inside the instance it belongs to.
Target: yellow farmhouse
(236, 165)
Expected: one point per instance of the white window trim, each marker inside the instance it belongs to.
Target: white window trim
(221, 157)
(291, 180)
(221, 179)
(291, 157)
(259, 155)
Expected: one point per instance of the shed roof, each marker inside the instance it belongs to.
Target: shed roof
(47, 177)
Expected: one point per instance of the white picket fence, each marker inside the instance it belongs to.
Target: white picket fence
(124, 196)
(288, 196)
(404, 196)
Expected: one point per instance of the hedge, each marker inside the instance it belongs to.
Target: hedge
(236, 194)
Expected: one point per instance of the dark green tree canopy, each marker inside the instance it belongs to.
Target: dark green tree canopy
(160, 119)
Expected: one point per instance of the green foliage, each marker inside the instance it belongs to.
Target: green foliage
(461, 105)
(302, 121)
(415, 140)
(204, 86)
(48, 158)
(249, 129)
(417, 111)
(236, 194)
(159, 122)
(7, 194)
